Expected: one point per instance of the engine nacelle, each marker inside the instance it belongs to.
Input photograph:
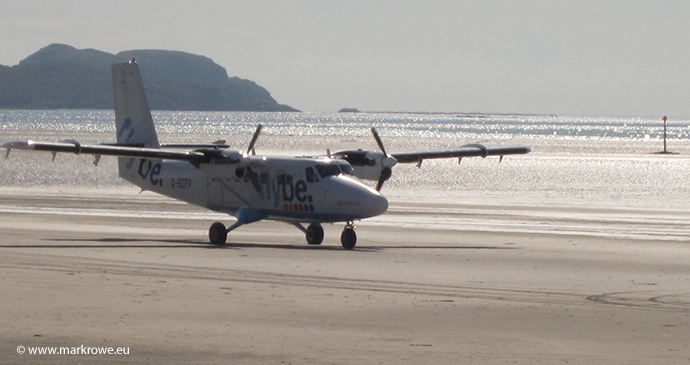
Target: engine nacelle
(368, 165)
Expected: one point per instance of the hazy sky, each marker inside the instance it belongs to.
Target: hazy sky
(557, 57)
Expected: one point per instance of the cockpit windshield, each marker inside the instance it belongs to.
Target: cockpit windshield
(346, 168)
(334, 169)
(326, 170)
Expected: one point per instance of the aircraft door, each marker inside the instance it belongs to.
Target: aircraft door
(286, 185)
(214, 191)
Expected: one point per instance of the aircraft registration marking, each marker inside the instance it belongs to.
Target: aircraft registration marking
(180, 183)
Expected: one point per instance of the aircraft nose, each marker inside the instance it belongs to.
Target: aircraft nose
(372, 202)
(358, 200)
(378, 204)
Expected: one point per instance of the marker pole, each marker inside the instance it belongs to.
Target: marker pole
(664, 119)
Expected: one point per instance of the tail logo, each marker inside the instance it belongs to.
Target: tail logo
(125, 126)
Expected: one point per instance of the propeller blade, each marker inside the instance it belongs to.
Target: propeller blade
(378, 141)
(379, 184)
(386, 174)
(254, 138)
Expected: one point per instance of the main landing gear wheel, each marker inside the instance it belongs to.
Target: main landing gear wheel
(217, 234)
(314, 234)
(348, 238)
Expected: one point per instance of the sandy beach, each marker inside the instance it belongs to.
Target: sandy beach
(429, 282)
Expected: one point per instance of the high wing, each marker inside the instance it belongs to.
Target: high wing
(470, 150)
(217, 144)
(70, 146)
(369, 165)
(377, 166)
(374, 165)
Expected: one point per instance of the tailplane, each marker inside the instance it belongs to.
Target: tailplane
(132, 114)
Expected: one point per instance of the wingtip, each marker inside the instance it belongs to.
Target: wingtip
(18, 144)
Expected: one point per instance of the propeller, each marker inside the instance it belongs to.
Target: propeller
(254, 138)
(387, 162)
(378, 140)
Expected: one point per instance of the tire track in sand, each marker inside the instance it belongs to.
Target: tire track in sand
(642, 300)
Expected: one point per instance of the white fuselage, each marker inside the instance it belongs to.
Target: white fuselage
(292, 189)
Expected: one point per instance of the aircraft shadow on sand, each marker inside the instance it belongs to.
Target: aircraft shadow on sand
(115, 242)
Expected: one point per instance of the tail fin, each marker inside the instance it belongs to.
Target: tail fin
(132, 115)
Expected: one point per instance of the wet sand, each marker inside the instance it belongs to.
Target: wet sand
(431, 281)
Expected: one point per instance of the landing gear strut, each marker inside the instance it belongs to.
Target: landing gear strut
(314, 234)
(218, 234)
(349, 238)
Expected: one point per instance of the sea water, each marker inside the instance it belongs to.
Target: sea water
(575, 161)
(445, 125)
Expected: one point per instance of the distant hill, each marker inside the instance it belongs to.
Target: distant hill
(62, 77)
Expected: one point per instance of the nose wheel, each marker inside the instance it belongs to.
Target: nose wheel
(349, 238)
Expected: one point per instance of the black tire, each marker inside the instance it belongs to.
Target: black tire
(314, 234)
(348, 238)
(217, 234)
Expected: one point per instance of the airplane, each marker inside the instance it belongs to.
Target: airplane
(310, 190)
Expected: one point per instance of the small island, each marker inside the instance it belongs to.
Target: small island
(349, 110)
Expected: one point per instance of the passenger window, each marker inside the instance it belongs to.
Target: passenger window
(309, 172)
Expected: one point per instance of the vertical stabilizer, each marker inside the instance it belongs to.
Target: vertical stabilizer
(132, 115)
